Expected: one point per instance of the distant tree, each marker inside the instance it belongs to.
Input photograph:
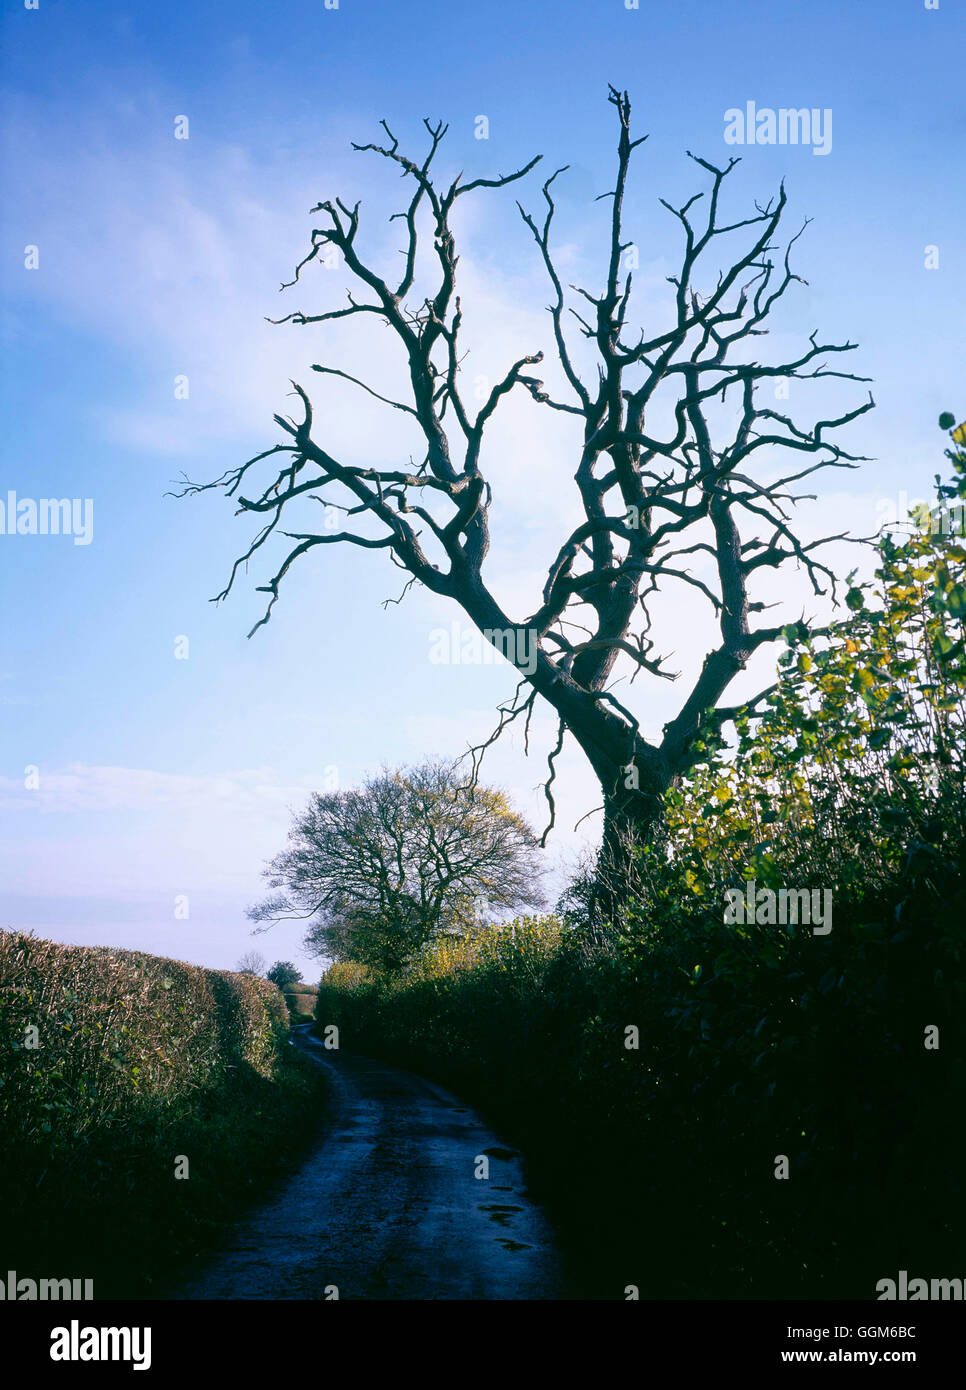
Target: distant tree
(284, 974)
(251, 963)
(382, 869)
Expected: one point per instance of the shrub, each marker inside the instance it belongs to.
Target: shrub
(119, 1032)
(139, 1059)
(656, 1074)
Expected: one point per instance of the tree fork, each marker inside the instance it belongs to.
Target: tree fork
(650, 503)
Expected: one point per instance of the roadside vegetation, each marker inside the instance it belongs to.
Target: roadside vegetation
(718, 1102)
(301, 1002)
(734, 1072)
(144, 1103)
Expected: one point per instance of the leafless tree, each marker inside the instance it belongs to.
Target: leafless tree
(652, 502)
(251, 963)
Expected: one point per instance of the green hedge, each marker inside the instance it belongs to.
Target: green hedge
(659, 1162)
(761, 1047)
(140, 1060)
(119, 1032)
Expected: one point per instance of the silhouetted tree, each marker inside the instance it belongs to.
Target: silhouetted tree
(675, 455)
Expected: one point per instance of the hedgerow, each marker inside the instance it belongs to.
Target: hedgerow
(143, 1102)
(723, 1108)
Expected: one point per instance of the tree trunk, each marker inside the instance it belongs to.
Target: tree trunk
(634, 778)
(631, 821)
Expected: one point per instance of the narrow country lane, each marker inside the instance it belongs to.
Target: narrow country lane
(388, 1206)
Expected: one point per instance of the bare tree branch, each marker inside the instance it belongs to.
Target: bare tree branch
(654, 501)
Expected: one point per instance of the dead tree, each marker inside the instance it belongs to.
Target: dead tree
(650, 501)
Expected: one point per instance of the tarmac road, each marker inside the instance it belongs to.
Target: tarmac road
(388, 1205)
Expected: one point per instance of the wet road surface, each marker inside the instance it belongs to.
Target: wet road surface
(388, 1205)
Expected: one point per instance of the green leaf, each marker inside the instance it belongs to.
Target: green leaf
(956, 601)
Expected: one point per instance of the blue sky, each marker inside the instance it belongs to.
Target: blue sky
(162, 778)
